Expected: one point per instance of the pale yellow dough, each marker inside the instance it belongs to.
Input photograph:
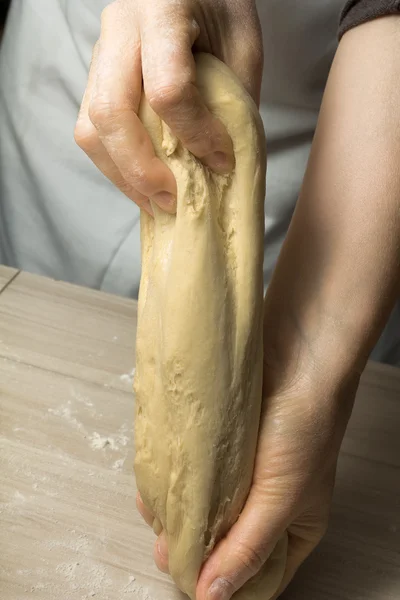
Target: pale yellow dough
(199, 343)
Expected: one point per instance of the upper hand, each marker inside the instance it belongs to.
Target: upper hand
(152, 42)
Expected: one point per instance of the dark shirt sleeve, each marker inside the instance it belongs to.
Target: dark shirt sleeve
(357, 12)
(4, 4)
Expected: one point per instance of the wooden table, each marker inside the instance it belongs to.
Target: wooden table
(68, 525)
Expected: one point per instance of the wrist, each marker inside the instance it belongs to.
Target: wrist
(306, 347)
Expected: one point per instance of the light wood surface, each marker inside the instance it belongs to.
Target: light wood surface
(68, 525)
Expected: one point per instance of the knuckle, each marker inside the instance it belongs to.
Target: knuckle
(130, 191)
(203, 138)
(251, 559)
(165, 98)
(126, 188)
(101, 112)
(85, 135)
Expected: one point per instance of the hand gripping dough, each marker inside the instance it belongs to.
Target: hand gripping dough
(199, 343)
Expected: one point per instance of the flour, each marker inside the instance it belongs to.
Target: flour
(128, 377)
(19, 498)
(96, 581)
(68, 570)
(16, 504)
(77, 543)
(99, 442)
(80, 398)
(117, 466)
(131, 580)
(65, 412)
(139, 592)
(111, 442)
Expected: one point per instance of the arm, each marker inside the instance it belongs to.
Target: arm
(339, 271)
(335, 283)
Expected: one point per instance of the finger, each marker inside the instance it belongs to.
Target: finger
(298, 550)
(88, 140)
(247, 546)
(113, 106)
(305, 533)
(161, 553)
(169, 78)
(144, 511)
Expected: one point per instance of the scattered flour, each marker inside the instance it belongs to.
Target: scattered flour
(139, 592)
(117, 466)
(131, 580)
(94, 580)
(65, 412)
(128, 377)
(77, 543)
(80, 398)
(112, 442)
(19, 498)
(99, 442)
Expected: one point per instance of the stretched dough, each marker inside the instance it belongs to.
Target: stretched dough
(199, 343)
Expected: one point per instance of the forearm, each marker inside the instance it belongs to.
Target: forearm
(338, 275)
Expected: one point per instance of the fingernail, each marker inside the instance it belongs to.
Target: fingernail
(220, 589)
(220, 162)
(165, 201)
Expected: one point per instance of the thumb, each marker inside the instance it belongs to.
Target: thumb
(245, 549)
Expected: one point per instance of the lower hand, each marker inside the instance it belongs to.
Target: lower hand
(302, 425)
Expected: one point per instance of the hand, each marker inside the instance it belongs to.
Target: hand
(303, 421)
(153, 42)
(301, 429)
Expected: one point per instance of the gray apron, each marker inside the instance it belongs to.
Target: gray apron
(60, 217)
